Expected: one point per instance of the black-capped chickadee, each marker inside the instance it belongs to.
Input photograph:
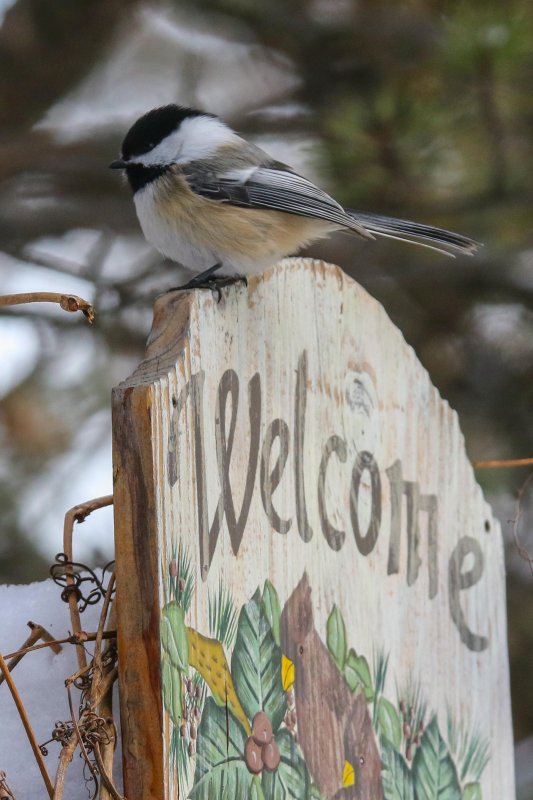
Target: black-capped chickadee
(212, 201)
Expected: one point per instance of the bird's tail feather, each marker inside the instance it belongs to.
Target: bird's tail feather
(416, 233)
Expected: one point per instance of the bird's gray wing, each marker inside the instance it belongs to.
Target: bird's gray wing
(274, 187)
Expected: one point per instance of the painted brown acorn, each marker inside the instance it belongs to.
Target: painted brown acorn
(261, 729)
(252, 756)
(271, 756)
(261, 750)
(334, 726)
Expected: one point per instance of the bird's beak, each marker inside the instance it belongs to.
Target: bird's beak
(118, 164)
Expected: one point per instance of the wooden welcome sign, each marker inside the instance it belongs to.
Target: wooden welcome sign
(310, 584)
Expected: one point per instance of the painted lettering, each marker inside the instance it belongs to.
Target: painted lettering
(193, 389)
(365, 462)
(458, 581)
(269, 481)
(229, 387)
(416, 503)
(334, 537)
(304, 528)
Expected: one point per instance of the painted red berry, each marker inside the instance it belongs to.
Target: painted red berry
(261, 728)
(252, 756)
(271, 756)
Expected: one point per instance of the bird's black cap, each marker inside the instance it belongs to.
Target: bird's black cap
(153, 127)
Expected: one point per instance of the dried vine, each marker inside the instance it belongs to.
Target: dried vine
(91, 728)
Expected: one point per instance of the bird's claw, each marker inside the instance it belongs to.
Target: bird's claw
(213, 282)
(216, 284)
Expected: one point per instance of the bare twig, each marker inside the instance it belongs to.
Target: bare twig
(68, 302)
(76, 638)
(79, 736)
(101, 700)
(94, 732)
(65, 758)
(505, 462)
(79, 674)
(522, 551)
(27, 726)
(37, 632)
(78, 513)
(45, 636)
(110, 790)
(5, 791)
(97, 658)
(105, 687)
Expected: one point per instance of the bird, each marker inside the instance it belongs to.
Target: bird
(334, 724)
(225, 209)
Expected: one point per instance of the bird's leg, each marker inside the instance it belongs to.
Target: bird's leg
(201, 281)
(227, 280)
(208, 280)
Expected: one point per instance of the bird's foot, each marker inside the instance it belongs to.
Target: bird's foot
(208, 280)
(200, 281)
(216, 283)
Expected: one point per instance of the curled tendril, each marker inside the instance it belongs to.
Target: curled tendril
(71, 575)
(91, 727)
(94, 730)
(83, 682)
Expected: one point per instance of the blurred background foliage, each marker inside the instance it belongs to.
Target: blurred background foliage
(422, 109)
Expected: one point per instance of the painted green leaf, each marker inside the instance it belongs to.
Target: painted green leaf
(291, 778)
(396, 775)
(171, 688)
(336, 637)
(357, 673)
(472, 791)
(173, 634)
(434, 773)
(389, 723)
(315, 793)
(256, 665)
(256, 790)
(272, 608)
(231, 781)
(220, 753)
